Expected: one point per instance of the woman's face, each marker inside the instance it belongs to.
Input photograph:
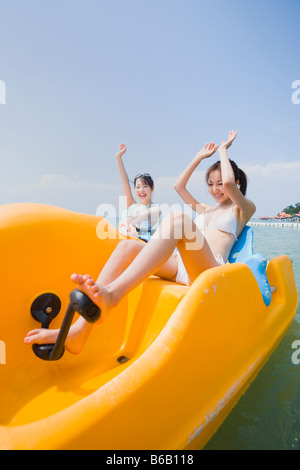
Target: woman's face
(215, 187)
(143, 192)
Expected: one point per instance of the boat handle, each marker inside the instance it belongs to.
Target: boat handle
(79, 302)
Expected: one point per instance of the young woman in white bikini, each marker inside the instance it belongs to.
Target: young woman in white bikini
(202, 244)
(221, 224)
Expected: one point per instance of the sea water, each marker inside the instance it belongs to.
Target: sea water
(267, 417)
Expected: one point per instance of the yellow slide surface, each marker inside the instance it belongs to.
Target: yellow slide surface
(191, 351)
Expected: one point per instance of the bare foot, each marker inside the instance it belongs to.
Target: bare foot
(41, 336)
(75, 341)
(77, 336)
(100, 295)
(81, 329)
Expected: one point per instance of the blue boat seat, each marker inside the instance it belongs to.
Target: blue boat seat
(242, 252)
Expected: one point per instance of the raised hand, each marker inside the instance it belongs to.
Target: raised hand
(123, 149)
(231, 136)
(208, 150)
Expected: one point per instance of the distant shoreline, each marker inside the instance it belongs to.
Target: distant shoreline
(262, 223)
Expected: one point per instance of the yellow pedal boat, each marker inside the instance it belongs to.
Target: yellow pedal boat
(161, 372)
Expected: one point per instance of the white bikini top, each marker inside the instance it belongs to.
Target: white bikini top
(226, 223)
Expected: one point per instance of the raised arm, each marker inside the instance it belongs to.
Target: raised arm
(180, 185)
(231, 186)
(124, 176)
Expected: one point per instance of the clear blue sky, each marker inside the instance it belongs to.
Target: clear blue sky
(162, 76)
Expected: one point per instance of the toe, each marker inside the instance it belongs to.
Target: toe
(94, 288)
(30, 338)
(77, 278)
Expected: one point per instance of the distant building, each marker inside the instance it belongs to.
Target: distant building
(282, 215)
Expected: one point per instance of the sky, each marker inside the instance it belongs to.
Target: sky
(80, 77)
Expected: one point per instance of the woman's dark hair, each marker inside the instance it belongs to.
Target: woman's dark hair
(239, 175)
(146, 178)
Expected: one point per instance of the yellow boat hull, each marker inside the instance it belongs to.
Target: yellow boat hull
(192, 351)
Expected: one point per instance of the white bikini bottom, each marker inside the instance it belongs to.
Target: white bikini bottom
(182, 275)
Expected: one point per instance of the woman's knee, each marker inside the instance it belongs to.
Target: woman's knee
(175, 217)
(180, 221)
(184, 228)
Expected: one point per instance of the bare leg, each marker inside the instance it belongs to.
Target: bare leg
(123, 256)
(120, 259)
(81, 329)
(176, 229)
(120, 275)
